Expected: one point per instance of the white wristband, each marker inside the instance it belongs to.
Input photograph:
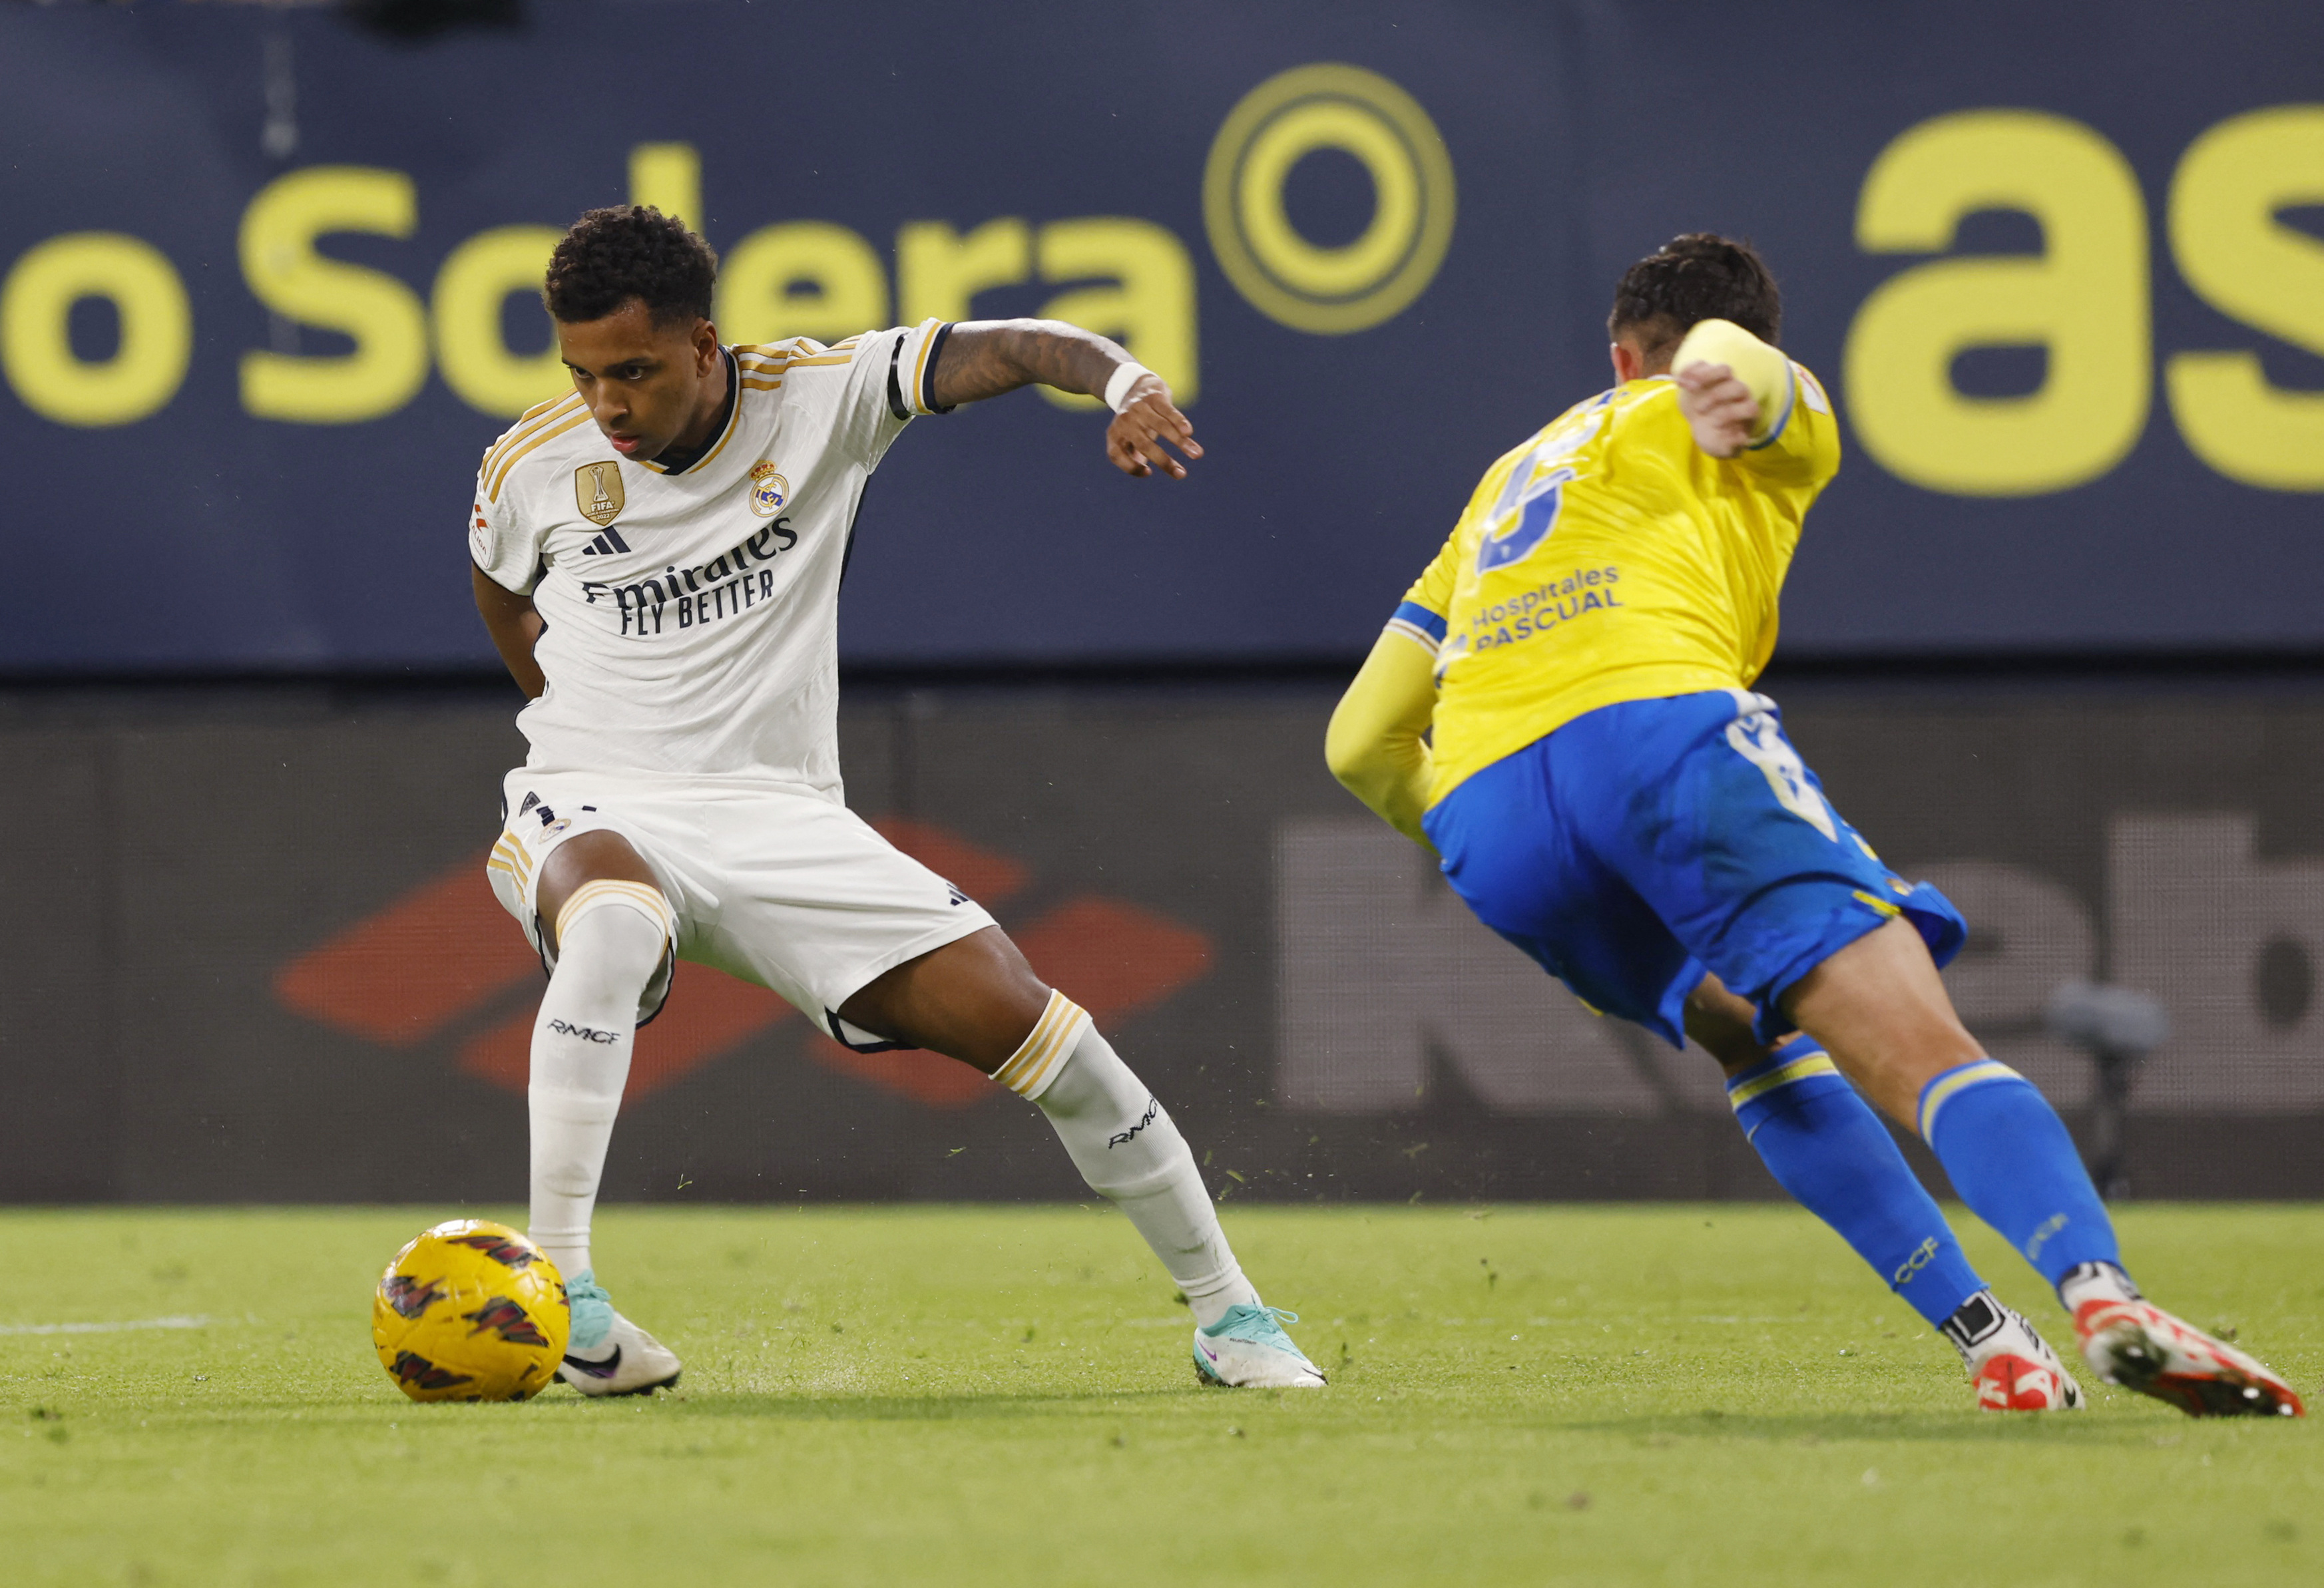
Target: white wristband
(1117, 389)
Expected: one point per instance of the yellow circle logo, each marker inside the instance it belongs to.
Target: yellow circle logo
(1329, 290)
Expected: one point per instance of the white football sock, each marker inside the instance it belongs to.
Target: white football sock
(610, 940)
(1123, 1141)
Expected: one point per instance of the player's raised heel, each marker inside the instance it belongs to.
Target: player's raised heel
(1248, 1350)
(2137, 1345)
(609, 1355)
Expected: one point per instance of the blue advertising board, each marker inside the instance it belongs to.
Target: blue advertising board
(266, 295)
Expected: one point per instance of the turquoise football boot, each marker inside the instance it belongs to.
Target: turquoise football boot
(608, 1354)
(1248, 1350)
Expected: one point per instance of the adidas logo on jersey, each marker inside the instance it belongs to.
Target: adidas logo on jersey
(605, 544)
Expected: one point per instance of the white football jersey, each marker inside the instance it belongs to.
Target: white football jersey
(693, 618)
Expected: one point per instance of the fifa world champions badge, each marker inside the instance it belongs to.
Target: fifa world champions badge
(770, 492)
(598, 492)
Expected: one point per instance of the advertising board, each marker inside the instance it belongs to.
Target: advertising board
(266, 295)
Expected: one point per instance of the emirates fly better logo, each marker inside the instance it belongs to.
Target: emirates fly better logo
(443, 969)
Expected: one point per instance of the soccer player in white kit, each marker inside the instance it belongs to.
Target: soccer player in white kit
(657, 557)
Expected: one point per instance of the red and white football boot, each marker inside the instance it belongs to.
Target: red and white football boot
(2010, 1365)
(2011, 1380)
(2135, 1345)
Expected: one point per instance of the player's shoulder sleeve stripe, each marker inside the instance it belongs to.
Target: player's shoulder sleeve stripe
(1810, 389)
(761, 368)
(539, 408)
(1417, 622)
(532, 422)
(803, 352)
(808, 347)
(520, 435)
(533, 419)
(807, 353)
(784, 352)
(508, 461)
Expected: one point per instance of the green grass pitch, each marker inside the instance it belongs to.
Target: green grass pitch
(1712, 1395)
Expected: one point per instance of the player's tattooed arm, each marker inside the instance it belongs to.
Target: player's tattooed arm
(515, 628)
(984, 358)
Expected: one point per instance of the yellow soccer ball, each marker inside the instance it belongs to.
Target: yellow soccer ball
(471, 1310)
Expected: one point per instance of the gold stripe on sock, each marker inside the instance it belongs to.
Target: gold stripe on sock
(1947, 1085)
(591, 895)
(1019, 1070)
(1034, 1065)
(1061, 1047)
(1783, 1075)
(1013, 1073)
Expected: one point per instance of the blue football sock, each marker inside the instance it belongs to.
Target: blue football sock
(1826, 1148)
(2011, 1159)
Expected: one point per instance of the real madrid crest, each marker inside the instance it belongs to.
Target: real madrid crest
(597, 491)
(770, 493)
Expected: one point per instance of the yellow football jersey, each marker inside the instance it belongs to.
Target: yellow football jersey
(1608, 558)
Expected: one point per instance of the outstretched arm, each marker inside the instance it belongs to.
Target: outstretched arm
(1374, 746)
(515, 628)
(984, 358)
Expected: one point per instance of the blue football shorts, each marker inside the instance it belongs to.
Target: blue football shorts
(1644, 843)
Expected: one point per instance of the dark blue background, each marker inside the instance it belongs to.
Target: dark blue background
(1582, 135)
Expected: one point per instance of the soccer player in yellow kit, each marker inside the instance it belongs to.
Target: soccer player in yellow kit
(1608, 794)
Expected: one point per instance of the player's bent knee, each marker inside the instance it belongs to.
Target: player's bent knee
(975, 999)
(1884, 985)
(584, 858)
(1019, 999)
(615, 937)
(641, 899)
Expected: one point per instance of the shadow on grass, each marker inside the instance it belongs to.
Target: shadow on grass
(958, 1407)
(1834, 1428)
(371, 1409)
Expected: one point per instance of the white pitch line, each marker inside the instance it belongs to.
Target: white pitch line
(103, 1328)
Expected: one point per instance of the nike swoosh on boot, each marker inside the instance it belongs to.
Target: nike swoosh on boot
(597, 1370)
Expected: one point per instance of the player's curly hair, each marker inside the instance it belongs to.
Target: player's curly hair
(1699, 276)
(629, 251)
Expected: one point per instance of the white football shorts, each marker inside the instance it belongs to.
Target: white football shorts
(771, 883)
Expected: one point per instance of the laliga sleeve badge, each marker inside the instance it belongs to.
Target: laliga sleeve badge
(770, 492)
(598, 492)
